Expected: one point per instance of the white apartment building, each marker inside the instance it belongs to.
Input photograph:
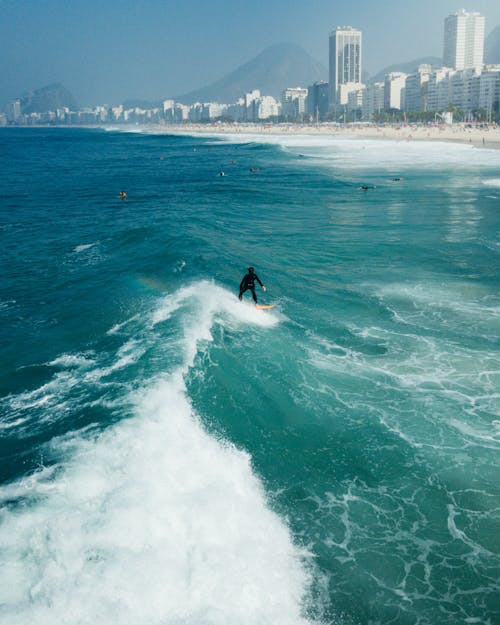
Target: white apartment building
(169, 111)
(195, 112)
(238, 110)
(344, 92)
(464, 89)
(116, 112)
(416, 89)
(373, 99)
(394, 85)
(344, 62)
(212, 110)
(14, 110)
(355, 100)
(489, 89)
(293, 101)
(181, 113)
(266, 107)
(463, 40)
(439, 89)
(250, 104)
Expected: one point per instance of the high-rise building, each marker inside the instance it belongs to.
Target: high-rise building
(463, 40)
(345, 62)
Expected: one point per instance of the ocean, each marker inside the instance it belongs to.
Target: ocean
(172, 456)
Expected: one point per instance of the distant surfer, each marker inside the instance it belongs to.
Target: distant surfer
(365, 187)
(123, 195)
(221, 173)
(248, 284)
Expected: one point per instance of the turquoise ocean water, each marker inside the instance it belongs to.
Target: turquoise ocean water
(169, 455)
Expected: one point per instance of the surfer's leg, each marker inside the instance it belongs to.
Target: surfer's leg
(241, 293)
(253, 295)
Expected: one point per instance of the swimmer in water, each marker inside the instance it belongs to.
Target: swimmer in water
(123, 195)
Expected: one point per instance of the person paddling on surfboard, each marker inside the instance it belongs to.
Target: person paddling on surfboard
(248, 284)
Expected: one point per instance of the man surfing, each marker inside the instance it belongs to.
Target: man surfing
(248, 284)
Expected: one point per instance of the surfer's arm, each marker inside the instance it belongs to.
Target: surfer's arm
(259, 281)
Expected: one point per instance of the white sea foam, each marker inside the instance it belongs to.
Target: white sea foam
(492, 182)
(214, 301)
(119, 326)
(82, 248)
(67, 361)
(353, 154)
(153, 520)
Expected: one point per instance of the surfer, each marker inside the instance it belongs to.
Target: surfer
(123, 195)
(248, 284)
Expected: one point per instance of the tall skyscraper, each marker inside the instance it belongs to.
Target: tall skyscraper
(345, 63)
(463, 40)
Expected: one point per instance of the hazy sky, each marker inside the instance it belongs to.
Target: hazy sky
(106, 51)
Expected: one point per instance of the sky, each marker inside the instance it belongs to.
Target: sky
(107, 51)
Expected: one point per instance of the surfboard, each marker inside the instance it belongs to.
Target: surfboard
(261, 307)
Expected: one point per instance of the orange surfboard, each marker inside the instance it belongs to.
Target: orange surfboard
(261, 307)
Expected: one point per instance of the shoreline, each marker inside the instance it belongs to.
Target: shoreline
(488, 138)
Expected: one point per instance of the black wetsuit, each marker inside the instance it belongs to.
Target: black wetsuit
(248, 284)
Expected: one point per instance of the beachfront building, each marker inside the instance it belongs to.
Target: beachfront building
(266, 107)
(317, 100)
(416, 89)
(373, 99)
(13, 110)
(463, 40)
(344, 64)
(470, 90)
(439, 89)
(168, 111)
(251, 105)
(394, 85)
(355, 102)
(489, 90)
(212, 110)
(464, 92)
(238, 110)
(293, 102)
(181, 113)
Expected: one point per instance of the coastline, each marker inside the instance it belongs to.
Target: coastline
(488, 137)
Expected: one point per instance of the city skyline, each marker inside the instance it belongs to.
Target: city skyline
(462, 82)
(153, 49)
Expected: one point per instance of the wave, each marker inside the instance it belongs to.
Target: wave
(359, 153)
(151, 520)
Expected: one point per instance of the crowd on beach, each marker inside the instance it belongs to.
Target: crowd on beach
(484, 135)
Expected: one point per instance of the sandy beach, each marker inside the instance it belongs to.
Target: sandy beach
(487, 137)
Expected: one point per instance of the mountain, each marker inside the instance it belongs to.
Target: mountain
(409, 67)
(275, 68)
(48, 98)
(492, 46)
